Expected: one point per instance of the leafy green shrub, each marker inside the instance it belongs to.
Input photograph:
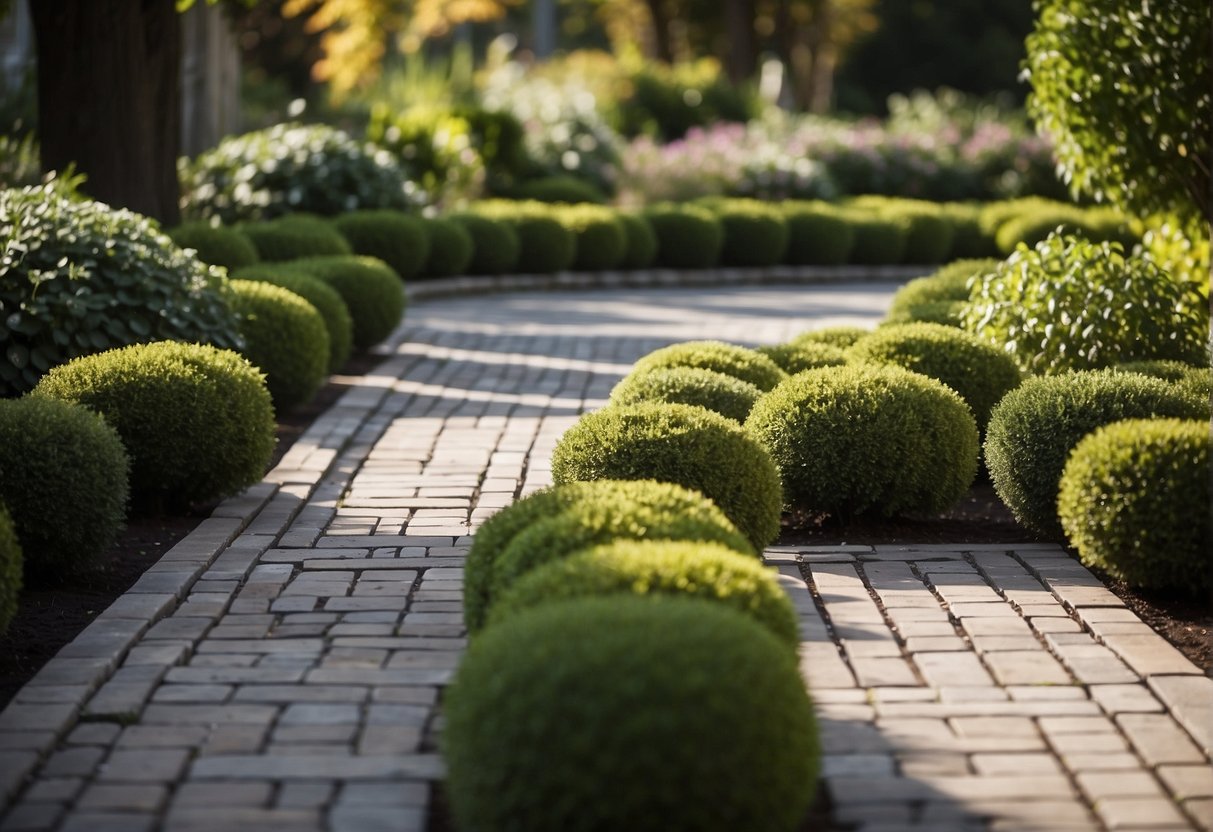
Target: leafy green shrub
(868, 439)
(641, 248)
(835, 336)
(1070, 304)
(80, 277)
(293, 237)
(929, 232)
(285, 338)
(668, 100)
(687, 237)
(968, 239)
(601, 238)
(10, 570)
(755, 233)
(196, 421)
(1134, 501)
(739, 362)
(981, 374)
(494, 243)
(682, 444)
(657, 567)
(544, 245)
(332, 309)
(939, 297)
(372, 292)
(806, 355)
(1163, 369)
(730, 397)
(1034, 427)
(993, 215)
(818, 234)
(451, 248)
(290, 168)
(64, 481)
(558, 188)
(216, 244)
(1031, 228)
(879, 240)
(652, 686)
(396, 238)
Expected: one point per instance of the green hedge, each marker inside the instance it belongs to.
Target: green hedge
(755, 233)
(325, 299)
(730, 397)
(216, 244)
(939, 297)
(372, 293)
(687, 237)
(739, 362)
(544, 245)
(641, 249)
(835, 336)
(451, 248)
(396, 238)
(294, 236)
(558, 188)
(804, 355)
(10, 570)
(601, 238)
(818, 234)
(495, 246)
(284, 337)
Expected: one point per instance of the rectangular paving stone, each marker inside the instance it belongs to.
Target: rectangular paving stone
(952, 669)
(1026, 667)
(114, 797)
(1158, 739)
(329, 767)
(1116, 699)
(204, 795)
(144, 765)
(1139, 812)
(1190, 700)
(1150, 654)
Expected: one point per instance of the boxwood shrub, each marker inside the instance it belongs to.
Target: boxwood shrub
(641, 248)
(396, 238)
(755, 233)
(652, 686)
(868, 439)
(558, 188)
(682, 444)
(929, 232)
(818, 234)
(804, 355)
(197, 421)
(451, 248)
(1035, 426)
(216, 245)
(658, 567)
(732, 360)
(601, 238)
(688, 237)
(968, 239)
(324, 298)
(939, 297)
(1134, 501)
(64, 478)
(879, 240)
(495, 245)
(294, 236)
(10, 570)
(1173, 371)
(285, 338)
(835, 336)
(544, 245)
(1033, 227)
(730, 397)
(372, 292)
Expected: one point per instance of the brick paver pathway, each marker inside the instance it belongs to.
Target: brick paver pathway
(280, 668)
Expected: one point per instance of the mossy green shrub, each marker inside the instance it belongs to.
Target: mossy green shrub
(981, 374)
(818, 234)
(683, 444)
(928, 232)
(755, 233)
(657, 567)
(1035, 426)
(732, 360)
(688, 715)
(10, 570)
(688, 237)
(835, 336)
(294, 236)
(807, 355)
(396, 238)
(726, 395)
(558, 188)
(968, 239)
(601, 238)
(1163, 369)
(495, 245)
(865, 439)
(544, 244)
(939, 297)
(216, 244)
(1134, 501)
(285, 338)
(641, 248)
(1032, 227)
(324, 298)
(80, 277)
(880, 240)
(994, 214)
(64, 478)
(372, 292)
(196, 421)
(451, 248)
(1070, 304)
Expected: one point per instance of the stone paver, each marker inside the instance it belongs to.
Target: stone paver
(282, 667)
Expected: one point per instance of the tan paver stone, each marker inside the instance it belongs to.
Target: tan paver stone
(1116, 699)
(1190, 700)
(1159, 740)
(1142, 812)
(952, 669)
(1188, 781)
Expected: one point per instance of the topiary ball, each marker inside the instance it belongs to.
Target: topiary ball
(559, 188)
(939, 297)
(836, 336)
(868, 439)
(687, 715)
(731, 360)
(968, 239)
(1134, 501)
(929, 235)
(197, 421)
(641, 248)
(64, 480)
(324, 298)
(544, 245)
(730, 397)
(1173, 371)
(879, 240)
(818, 235)
(494, 244)
(755, 233)
(285, 338)
(687, 237)
(10, 570)
(601, 238)
(396, 238)
(804, 355)
(981, 374)
(451, 248)
(682, 444)
(216, 244)
(1035, 426)
(657, 567)
(294, 236)
(372, 292)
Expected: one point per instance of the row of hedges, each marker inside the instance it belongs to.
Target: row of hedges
(609, 604)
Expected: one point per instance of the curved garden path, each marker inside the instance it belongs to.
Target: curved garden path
(280, 667)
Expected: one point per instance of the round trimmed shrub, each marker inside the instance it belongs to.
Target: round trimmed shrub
(284, 337)
(622, 497)
(868, 439)
(450, 248)
(1035, 426)
(559, 188)
(1173, 371)
(10, 570)
(324, 298)
(197, 421)
(657, 567)
(1134, 501)
(682, 444)
(687, 715)
(64, 480)
(289, 238)
(1033, 227)
(836, 336)
(80, 277)
(879, 240)
(929, 235)
(216, 244)
(804, 355)
(968, 238)
(818, 234)
(494, 243)
(687, 237)
(372, 292)
(730, 397)
(641, 248)
(601, 238)
(544, 245)
(939, 297)
(731, 360)
(396, 238)
(755, 233)
(981, 374)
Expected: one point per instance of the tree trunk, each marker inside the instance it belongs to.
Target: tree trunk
(740, 37)
(661, 31)
(109, 98)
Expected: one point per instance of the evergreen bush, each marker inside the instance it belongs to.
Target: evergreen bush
(325, 299)
(396, 238)
(216, 245)
(294, 236)
(688, 237)
(739, 362)
(730, 397)
(285, 338)
(372, 293)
